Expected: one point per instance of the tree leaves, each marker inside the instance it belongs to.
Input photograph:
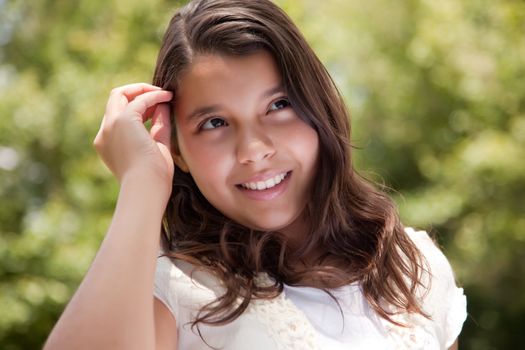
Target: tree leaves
(436, 90)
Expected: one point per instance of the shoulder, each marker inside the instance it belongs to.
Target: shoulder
(185, 289)
(438, 277)
(436, 260)
(182, 287)
(440, 297)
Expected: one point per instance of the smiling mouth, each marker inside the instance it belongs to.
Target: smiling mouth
(265, 185)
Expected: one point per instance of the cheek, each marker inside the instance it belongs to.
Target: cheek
(303, 141)
(208, 164)
(208, 168)
(198, 155)
(310, 140)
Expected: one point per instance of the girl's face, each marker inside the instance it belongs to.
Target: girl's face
(249, 153)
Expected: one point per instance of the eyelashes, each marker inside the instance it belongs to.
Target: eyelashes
(283, 102)
(217, 122)
(212, 123)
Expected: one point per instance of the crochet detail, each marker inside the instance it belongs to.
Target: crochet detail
(290, 329)
(287, 325)
(418, 333)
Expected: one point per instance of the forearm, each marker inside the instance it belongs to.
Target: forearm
(113, 307)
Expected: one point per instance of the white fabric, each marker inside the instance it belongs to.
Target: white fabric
(307, 318)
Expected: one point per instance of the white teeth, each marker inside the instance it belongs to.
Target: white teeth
(269, 183)
(263, 185)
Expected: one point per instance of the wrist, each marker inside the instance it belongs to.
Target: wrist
(146, 186)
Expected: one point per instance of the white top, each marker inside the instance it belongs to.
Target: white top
(307, 318)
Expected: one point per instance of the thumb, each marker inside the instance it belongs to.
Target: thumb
(161, 126)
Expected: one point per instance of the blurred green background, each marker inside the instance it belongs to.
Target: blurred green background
(437, 95)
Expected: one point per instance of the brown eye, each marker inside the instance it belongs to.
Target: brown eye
(279, 104)
(213, 123)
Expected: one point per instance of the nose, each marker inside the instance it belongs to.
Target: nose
(254, 147)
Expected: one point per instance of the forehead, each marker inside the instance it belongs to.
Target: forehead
(217, 66)
(213, 77)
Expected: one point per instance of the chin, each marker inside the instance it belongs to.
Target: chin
(270, 223)
(269, 228)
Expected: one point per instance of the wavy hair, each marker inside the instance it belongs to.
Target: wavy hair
(352, 220)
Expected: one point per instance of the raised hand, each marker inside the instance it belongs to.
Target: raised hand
(124, 143)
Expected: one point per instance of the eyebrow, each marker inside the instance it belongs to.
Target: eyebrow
(200, 111)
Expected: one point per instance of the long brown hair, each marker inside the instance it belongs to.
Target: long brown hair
(350, 219)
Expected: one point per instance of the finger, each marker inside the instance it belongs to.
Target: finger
(161, 126)
(119, 97)
(149, 99)
(133, 90)
(149, 112)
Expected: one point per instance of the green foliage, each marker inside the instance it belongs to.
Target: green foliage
(437, 95)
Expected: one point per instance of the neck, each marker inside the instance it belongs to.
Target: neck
(297, 231)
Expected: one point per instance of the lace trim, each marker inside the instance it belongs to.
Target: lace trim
(419, 333)
(290, 329)
(287, 325)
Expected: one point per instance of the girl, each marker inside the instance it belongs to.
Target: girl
(269, 239)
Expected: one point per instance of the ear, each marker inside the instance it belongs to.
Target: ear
(179, 159)
(175, 151)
